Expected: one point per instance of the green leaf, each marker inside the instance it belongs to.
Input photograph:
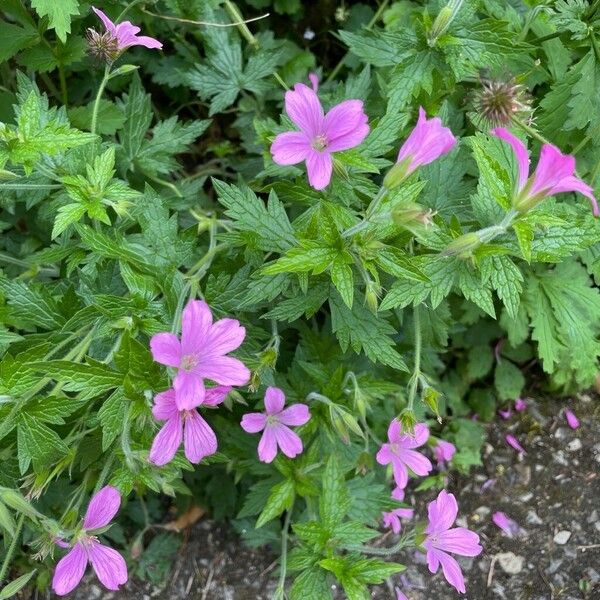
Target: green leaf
(16, 586)
(509, 380)
(96, 376)
(380, 48)
(67, 215)
(111, 416)
(269, 225)
(506, 279)
(311, 584)
(334, 501)
(524, 231)
(360, 329)
(280, 499)
(37, 443)
(59, 14)
(15, 38)
(110, 117)
(480, 359)
(343, 279)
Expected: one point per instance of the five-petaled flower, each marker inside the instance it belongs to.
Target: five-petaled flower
(443, 538)
(401, 453)
(343, 127)
(201, 354)
(427, 142)
(199, 440)
(554, 174)
(108, 564)
(125, 34)
(274, 423)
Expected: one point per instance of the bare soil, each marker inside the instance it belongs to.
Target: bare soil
(552, 492)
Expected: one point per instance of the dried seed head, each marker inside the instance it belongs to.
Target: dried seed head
(499, 100)
(103, 46)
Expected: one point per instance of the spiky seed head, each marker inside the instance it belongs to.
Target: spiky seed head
(499, 100)
(103, 46)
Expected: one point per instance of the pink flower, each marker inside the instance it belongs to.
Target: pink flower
(126, 33)
(398, 493)
(201, 354)
(572, 419)
(444, 451)
(343, 127)
(400, 452)
(505, 414)
(275, 422)
(106, 562)
(520, 405)
(428, 141)
(554, 174)
(391, 519)
(199, 440)
(510, 527)
(512, 441)
(441, 539)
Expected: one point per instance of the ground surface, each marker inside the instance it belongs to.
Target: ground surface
(553, 492)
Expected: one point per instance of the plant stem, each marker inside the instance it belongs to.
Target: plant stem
(284, 544)
(404, 541)
(368, 215)
(530, 131)
(546, 38)
(414, 379)
(11, 549)
(29, 186)
(96, 107)
(281, 82)
(237, 18)
(369, 25)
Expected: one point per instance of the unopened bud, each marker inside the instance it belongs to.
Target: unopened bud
(412, 214)
(15, 500)
(431, 398)
(443, 21)
(463, 245)
(372, 293)
(343, 422)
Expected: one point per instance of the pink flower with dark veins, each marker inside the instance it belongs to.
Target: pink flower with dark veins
(572, 419)
(442, 538)
(108, 564)
(275, 424)
(513, 442)
(343, 127)
(187, 425)
(555, 173)
(400, 452)
(125, 33)
(201, 354)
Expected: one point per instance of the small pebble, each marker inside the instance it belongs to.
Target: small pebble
(532, 518)
(510, 562)
(562, 537)
(574, 445)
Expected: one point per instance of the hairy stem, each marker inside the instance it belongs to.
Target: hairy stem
(96, 106)
(414, 380)
(280, 592)
(12, 548)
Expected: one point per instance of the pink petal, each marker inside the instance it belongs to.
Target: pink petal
(394, 431)
(166, 349)
(314, 80)
(419, 437)
(199, 440)
(224, 370)
(103, 506)
(289, 441)
(400, 595)
(416, 462)
(267, 447)
(253, 422)
(444, 451)
(433, 560)
(452, 572)
(345, 125)
(398, 493)
(165, 406)
(505, 414)
(520, 151)
(109, 566)
(303, 107)
(167, 442)
(126, 32)
(69, 570)
(147, 42)
(319, 167)
(224, 336)
(400, 472)
(459, 540)
(297, 414)
(274, 400)
(512, 441)
(385, 455)
(572, 419)
(442, 512)
(290, 148)
(392, 521)
(214, 396)
(189, 390)
(553, 166)
(196, 320)
(510, 527)
(110, 26)
(428, 141)
(573, 184)
(520, 405)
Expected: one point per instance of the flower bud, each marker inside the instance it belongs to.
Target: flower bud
(16, 501)
(430, 398)
(397, 174)
(372, 293)
(443, 21)
(412, 214)
(463, 245)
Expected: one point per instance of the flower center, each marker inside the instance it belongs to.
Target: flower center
(272, 419)
(320, 142)
(188, 362)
